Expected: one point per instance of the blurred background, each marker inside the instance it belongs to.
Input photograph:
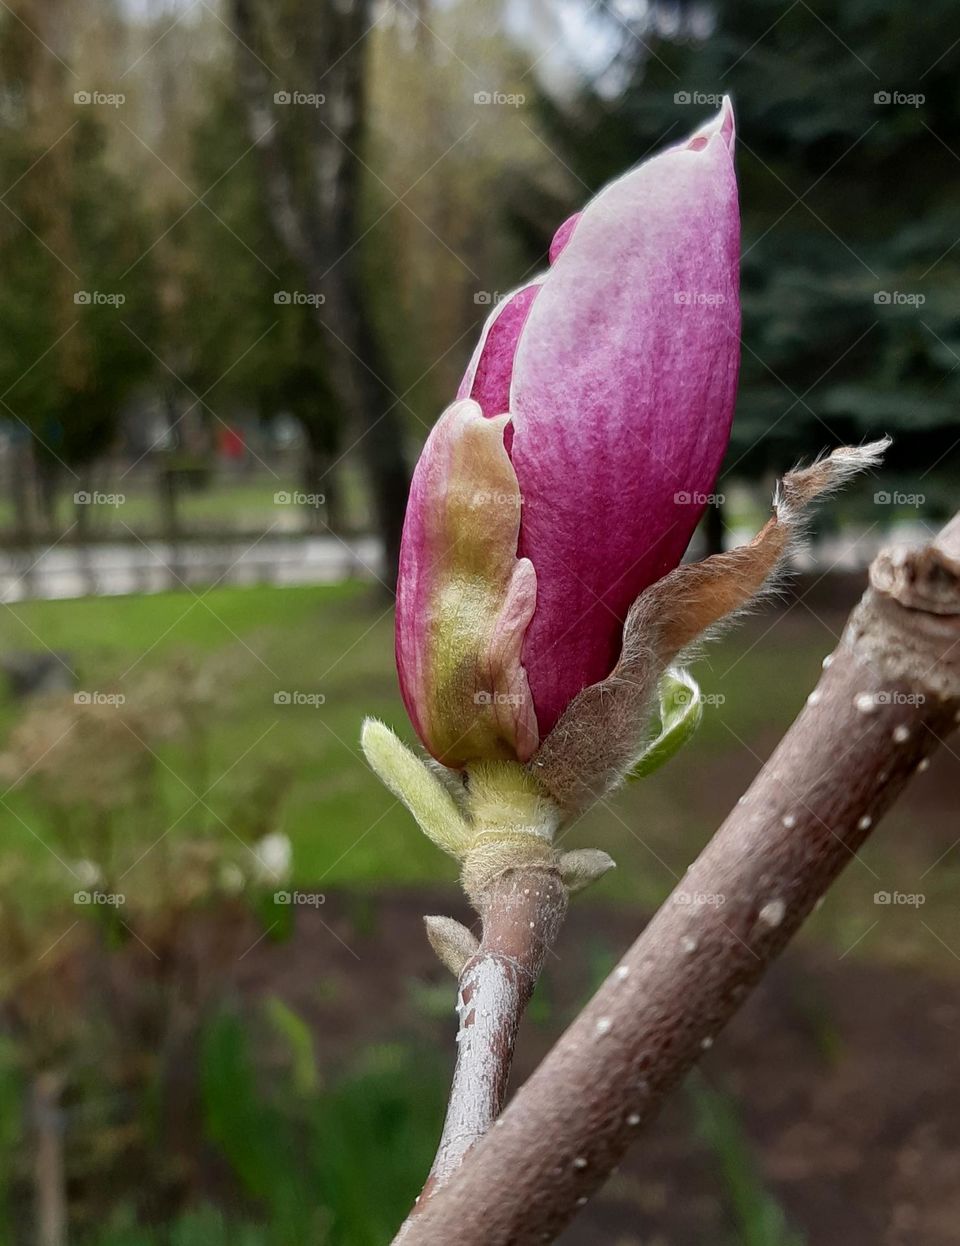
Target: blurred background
(246, 249)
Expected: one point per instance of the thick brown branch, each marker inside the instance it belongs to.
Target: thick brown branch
(889, 695)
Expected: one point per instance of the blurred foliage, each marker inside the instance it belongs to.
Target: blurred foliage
(339, 1165)
(845, 199)
(758, 1217)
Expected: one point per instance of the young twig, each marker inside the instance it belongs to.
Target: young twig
(889, 695)
(522, 912)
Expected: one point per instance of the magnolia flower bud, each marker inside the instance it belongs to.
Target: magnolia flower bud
(571, 471)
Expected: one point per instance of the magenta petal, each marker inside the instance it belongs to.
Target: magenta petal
(623, 391)
(487, 379)
(563, 235)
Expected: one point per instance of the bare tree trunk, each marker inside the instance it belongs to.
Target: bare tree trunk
(50, 1198)
(318, 221)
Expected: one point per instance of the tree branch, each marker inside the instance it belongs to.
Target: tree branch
(522, 912)
(888, 696)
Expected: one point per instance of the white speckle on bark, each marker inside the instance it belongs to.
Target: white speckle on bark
(604, 1025)
(706, 1043)
(901, 734)
(814, 697)
(622, 972)
(689, 944)
(579, 1162)
(789, 820)
(582, 1200)
(633, 1118)
(772, 914)
(923, 764)
(865, 703)
(865, 823)
(827, 661)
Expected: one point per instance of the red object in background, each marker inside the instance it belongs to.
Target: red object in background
(232, 444)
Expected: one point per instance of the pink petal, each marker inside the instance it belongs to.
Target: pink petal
(623, 390)
(563, 235)
(487, 379)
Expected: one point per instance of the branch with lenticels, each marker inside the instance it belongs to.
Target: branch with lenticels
(887, 698)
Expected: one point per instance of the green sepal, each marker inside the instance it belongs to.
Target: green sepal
(681, 709)
(412, 781)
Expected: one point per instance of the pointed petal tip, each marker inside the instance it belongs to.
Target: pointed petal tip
(722, 126)
(727, 122)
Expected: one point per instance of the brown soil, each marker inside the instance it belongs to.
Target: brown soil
(844, 1075)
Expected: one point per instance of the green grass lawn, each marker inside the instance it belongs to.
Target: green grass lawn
(337, 644)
